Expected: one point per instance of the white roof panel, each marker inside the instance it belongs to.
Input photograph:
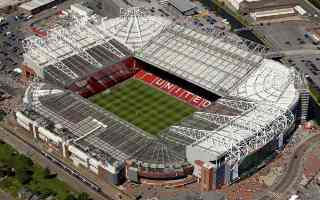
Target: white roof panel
(222, 64)
(31, 5)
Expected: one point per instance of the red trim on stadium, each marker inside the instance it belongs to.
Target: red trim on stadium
(104, 78)
(114, 74)
(172, 89)
(27, 72)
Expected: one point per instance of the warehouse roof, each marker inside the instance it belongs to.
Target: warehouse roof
(35, 4)
(183, 5)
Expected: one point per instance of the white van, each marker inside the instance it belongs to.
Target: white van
(29, 17)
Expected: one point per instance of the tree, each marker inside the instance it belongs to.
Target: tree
(83, 196)
(5, 171)
(24, 176)
(46, 173)
(45, 192)
(22, 163)
(70, 197)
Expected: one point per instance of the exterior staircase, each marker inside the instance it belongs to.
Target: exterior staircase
(304, 105)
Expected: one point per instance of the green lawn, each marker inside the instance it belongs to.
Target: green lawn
(143, 106)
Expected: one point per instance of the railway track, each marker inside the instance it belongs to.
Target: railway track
(292, 172)
(94, 187)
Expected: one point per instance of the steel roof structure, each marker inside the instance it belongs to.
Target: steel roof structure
(133, 28)
(31, 5)
(238, 136)
(72, 52)
(216, 62)
(271, 82)
(183, 5)
(108, 136)
(263, 91)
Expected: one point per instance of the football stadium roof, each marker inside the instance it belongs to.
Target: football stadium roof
(134, 29)
(92, 127)
(218, 62)
(68, 54)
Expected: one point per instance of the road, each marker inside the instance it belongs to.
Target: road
(292, 173)
(5, 196)
(32, 152)
(294, 53)
(300, 52)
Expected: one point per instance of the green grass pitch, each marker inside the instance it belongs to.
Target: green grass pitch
(145, 107)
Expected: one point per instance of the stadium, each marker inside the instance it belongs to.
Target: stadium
(142, 97)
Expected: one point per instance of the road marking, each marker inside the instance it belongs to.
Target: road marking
(275, 195)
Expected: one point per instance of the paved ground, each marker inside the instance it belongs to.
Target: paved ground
(307, 63)
(288, 35)
(289, 38)
(300, 52)
(6, 3)
(10, 45)
(292, 173)
(5, 196)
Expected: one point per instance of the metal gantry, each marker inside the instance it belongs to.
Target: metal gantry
(41, 47)
(67, 34)
(239, 104)
(134, 28)
(38, 90)
(218, 62)
(239, 135)
(89, 25)
(134, 14)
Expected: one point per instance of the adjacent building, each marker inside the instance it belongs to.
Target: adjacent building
(267, 10)
(81, 10)
(248, 6)
(36, 6)
(185, 7)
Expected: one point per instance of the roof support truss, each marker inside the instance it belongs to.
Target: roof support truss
(85, 23)
(42, 46)
(67, 36)
(242, 136)
(241, 105)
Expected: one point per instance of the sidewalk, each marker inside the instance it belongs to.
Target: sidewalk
(5, 196)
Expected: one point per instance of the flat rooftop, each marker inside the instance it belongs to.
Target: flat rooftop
(183, 5)
(33, 4)
(5, 3)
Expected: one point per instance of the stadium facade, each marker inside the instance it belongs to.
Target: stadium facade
(254, 102)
